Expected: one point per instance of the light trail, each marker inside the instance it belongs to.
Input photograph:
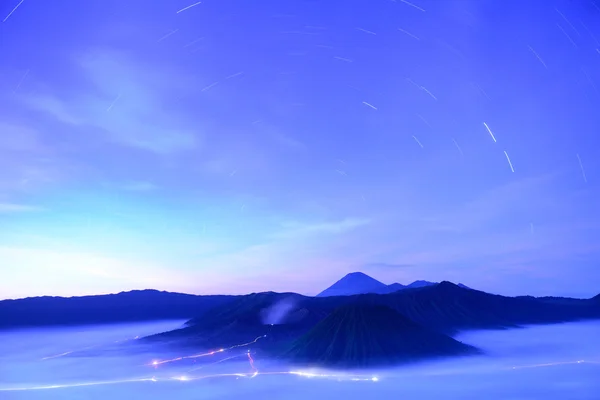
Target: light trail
(167, 35)
(188, 378)
(412, 5)
(490, 132)
(210, 353)
(369, 105)
(568, 22)
(418, 142)
(424, 120)
(343, 59)
(251, 361)
(234, 75)
(509, 162)
(188, 7)
(13, 10)
(252, 374)
(66, 353)
(554, 364)
(72, 385)
(567, 35)
(113, 103)
(209, 86)
(366, 31)
(299, 373)
(329, 376)
(193, 42)
(409, 34)
(458, 147)
(21, 81)
(216, 362)
(581, 167)
(538, 57)
(423, 88)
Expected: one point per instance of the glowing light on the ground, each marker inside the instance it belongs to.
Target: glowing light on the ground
(210, 353)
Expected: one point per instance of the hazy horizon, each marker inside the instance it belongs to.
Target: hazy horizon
(317, 291)
(235, 147)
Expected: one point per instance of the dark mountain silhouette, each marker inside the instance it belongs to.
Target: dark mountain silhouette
(359, 335)
(246, 318)
(449, 308)
(463, 286)
(250, 307)
(445, 308)
(418, 284)
(360, 283)
(279, 319)
(394, 287)
(354, 283)
(137, 305)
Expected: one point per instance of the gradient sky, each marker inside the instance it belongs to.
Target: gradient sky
(240, 146)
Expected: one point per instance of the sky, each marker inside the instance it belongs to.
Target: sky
(233, 146)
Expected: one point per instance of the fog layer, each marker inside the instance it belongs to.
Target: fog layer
(100, 362)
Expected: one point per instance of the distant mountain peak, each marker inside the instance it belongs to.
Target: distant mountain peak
(357, 274)
(360, 283)
(420, 283)
(394, 287)
(354, 283)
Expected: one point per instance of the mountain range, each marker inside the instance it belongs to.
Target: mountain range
(350, 330)
(136, 305)
(324, 331)
(360, 283)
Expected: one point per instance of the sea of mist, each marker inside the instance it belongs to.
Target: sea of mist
(107, 362)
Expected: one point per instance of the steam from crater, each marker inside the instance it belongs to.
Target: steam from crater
(276, 313)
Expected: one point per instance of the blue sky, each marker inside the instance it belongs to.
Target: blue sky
(241, 146)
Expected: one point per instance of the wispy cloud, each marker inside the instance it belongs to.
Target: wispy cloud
(297, 229)
(493, 230)
(8, 208)
(529, 196)
(387, 266)
(289, 141)
(127, 103)
(279, 136)
(237, 152)
(140, 186)
(20, 138)
(54, 106)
